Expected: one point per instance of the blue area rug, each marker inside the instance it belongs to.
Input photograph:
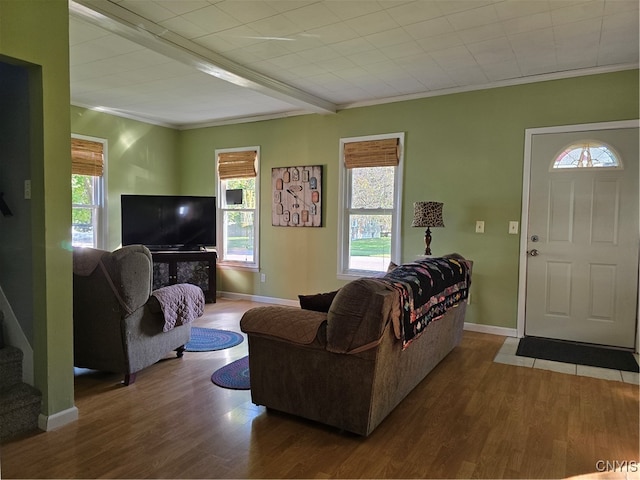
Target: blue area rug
(234, 376)
(210, 339)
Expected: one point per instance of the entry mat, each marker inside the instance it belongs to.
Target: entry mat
(577, 353)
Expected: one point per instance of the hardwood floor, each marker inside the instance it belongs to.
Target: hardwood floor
(470, 418)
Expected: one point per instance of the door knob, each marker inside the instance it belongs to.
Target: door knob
(533, 253)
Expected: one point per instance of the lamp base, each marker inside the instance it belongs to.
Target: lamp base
(427, 241)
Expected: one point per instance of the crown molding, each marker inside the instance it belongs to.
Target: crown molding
(546, 77)
(123, 114)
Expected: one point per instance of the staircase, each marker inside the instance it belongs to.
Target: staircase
(19, 402)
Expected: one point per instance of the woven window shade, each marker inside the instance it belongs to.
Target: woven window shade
(372, 153)
(237, 164)
(86, 157)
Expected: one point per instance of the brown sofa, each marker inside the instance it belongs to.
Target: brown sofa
(347, 367)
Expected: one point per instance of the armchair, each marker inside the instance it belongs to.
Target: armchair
(117, 324)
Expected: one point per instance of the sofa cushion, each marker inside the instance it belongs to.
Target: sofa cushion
(284, 322)
(320, 302)
(359, 314)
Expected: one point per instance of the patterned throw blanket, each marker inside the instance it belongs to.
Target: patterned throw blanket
(180, 303)
(428, 288)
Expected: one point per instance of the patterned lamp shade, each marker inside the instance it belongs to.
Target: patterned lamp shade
(427, 214)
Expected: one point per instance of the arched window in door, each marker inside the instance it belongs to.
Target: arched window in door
(587, 154)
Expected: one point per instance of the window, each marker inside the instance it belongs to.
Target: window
(238, 203)
(370, 210)
(587, 154)
(87, 192)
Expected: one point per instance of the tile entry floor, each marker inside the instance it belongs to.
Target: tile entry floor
(507, 354)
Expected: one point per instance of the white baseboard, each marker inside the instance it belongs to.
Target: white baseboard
(258, 298)
(474, 327)
(493, 330)
(49, 422)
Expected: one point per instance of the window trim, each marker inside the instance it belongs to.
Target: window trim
(344, 273)
(234, 264)
(102, 223)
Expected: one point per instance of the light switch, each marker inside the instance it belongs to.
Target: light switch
(513, 228)
(480, 226)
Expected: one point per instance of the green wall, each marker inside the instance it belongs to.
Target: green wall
(35, 34)
(141, 158)
(465, 150)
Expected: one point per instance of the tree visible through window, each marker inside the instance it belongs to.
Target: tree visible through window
(87, 177)
(84, 215)
(371, 182)
(371, 216)
(238, 220)
(238, 203)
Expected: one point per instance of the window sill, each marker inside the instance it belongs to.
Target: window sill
(359, 274)
(238, 266)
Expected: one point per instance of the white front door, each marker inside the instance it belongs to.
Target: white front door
(582, 240)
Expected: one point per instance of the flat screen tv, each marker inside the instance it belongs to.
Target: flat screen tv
(168, 221)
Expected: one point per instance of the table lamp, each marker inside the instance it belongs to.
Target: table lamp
(427, 214)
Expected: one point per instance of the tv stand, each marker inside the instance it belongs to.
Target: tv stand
(197, 267)
(177, 248)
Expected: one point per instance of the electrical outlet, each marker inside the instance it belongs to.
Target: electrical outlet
(27, 189)
(263, 277)
(480, 226)
(513, 228)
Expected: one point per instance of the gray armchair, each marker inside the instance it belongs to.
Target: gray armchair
(117, 324)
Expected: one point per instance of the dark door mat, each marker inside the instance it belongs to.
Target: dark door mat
(570, 352)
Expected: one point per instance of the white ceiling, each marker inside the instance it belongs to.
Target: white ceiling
(186, 63)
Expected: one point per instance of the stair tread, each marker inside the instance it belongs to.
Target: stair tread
(19, 410)
(10, 354)
(18, 396)
(10, 367)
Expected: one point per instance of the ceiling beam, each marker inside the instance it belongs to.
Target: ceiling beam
(123, 22)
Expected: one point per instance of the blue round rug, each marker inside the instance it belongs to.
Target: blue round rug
(234, 376)
(210, 339)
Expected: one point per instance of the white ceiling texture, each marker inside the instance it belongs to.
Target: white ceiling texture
(190, 63)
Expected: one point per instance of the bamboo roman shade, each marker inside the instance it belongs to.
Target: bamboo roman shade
(372, 153)
(87, 157)
(237, 164)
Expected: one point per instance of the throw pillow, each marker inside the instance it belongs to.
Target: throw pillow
(320, 302)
